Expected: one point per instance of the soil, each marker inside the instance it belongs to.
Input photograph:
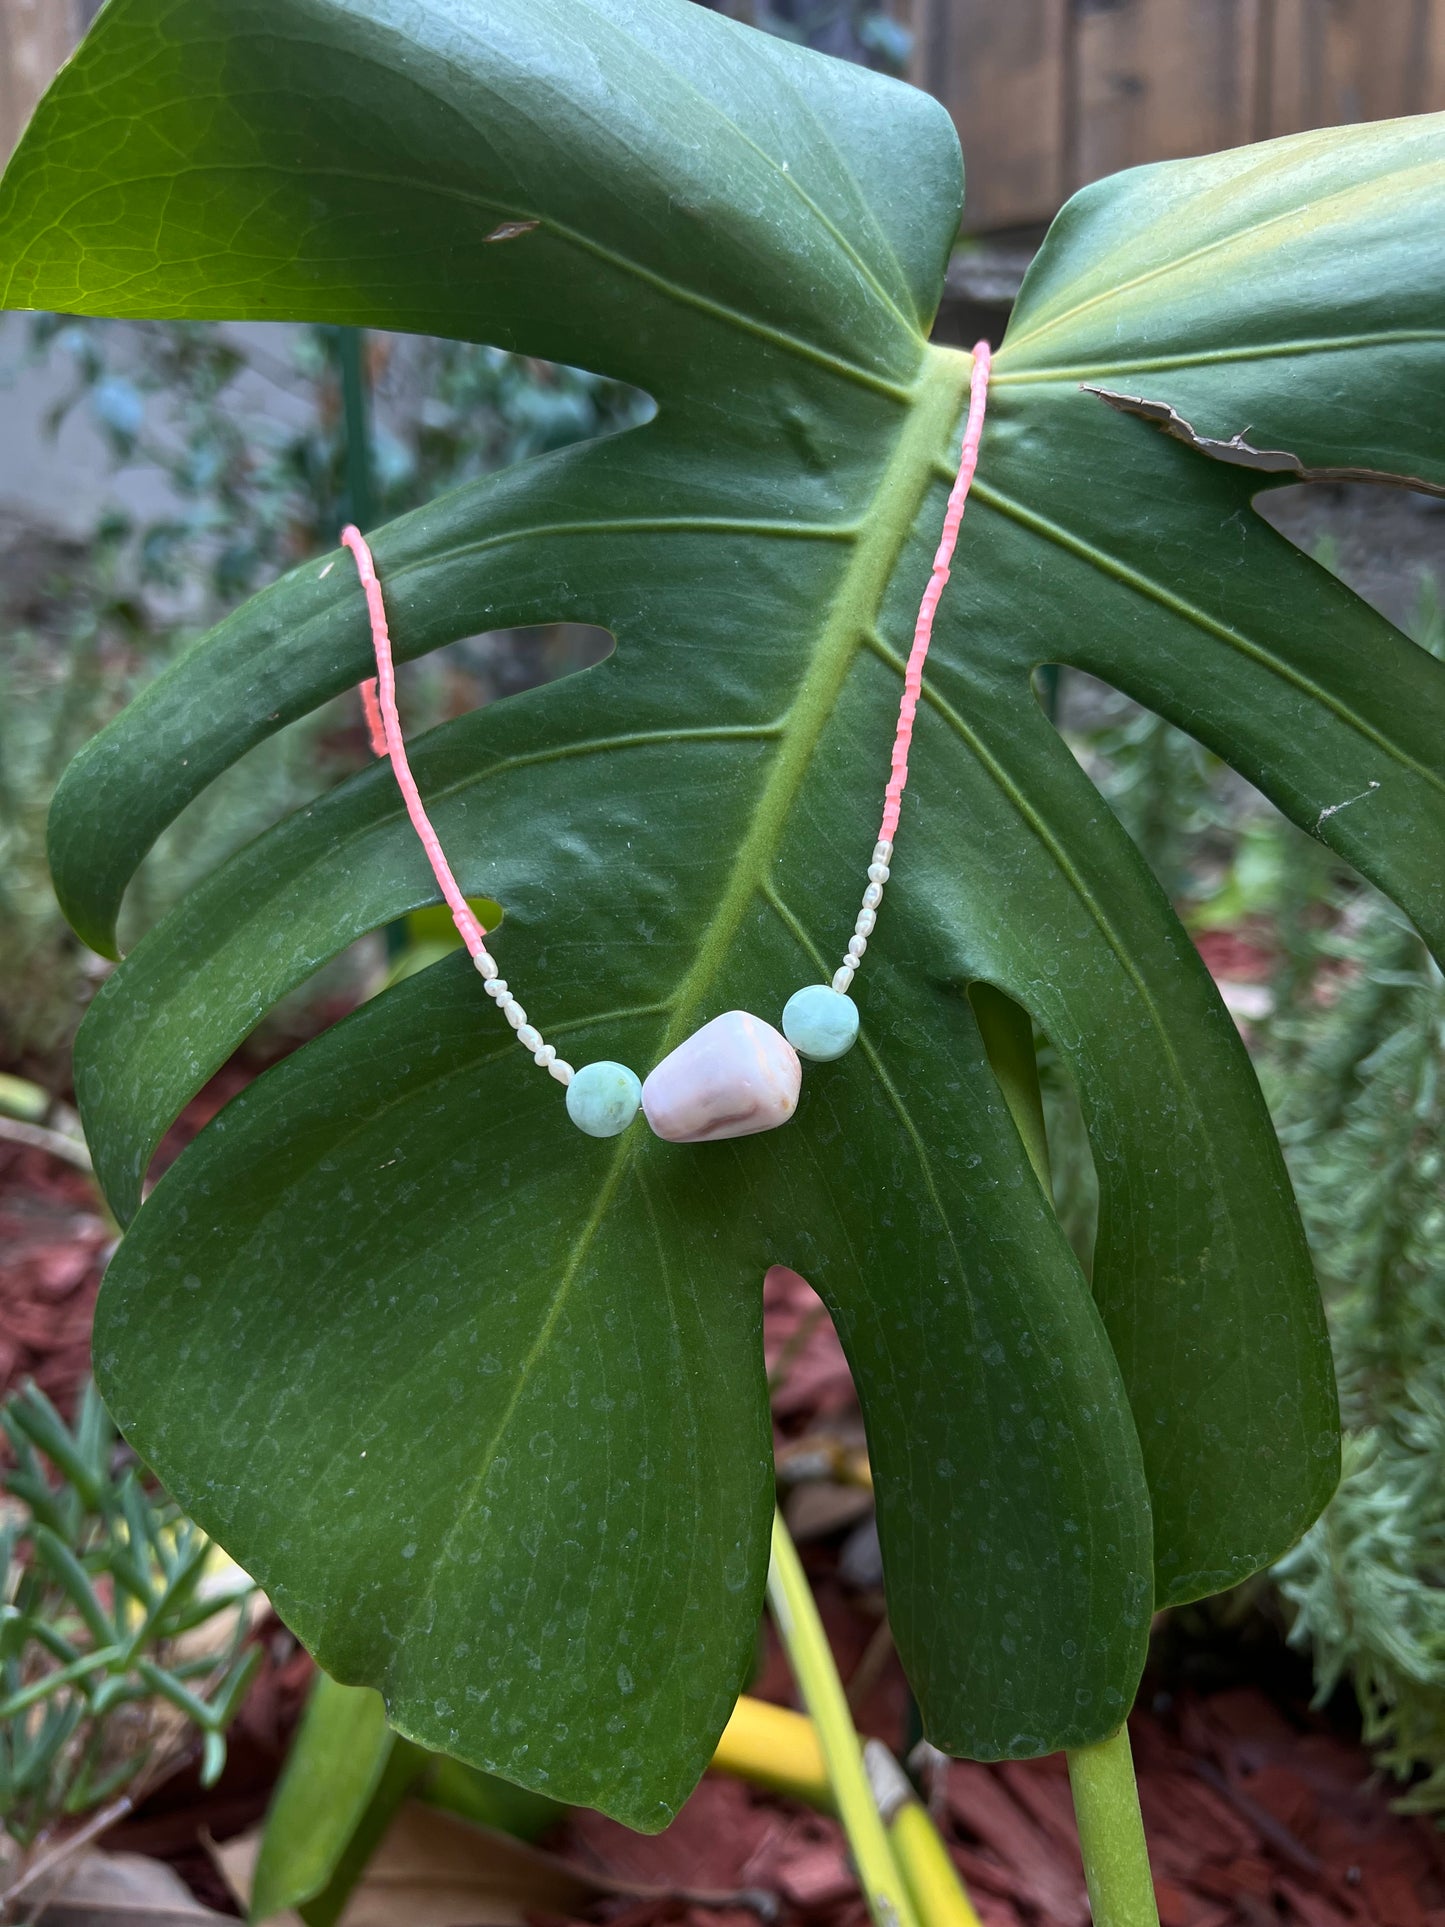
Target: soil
(1259, 1810)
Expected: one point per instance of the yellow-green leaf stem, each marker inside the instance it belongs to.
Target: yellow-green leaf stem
(1111, 1834)
(1106, 1798)
(801, 1631)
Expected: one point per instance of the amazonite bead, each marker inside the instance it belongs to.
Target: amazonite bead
(820, 1023)
(603, 1098)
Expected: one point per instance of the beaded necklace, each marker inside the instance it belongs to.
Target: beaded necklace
(736, 1075)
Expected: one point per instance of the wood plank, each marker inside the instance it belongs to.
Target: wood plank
(35, 37)
(1000, 70)
(1424, 91)
(1334, 61)
(1157, 79)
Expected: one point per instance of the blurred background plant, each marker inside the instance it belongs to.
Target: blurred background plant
(1344, 1011)
(263, 441)
(123, 1632)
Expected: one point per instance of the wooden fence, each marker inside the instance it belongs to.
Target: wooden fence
(1049, 94)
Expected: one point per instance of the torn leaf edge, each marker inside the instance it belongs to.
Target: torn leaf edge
(1243, 454)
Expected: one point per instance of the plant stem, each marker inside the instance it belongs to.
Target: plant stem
(1111, 1834)
(38, 1137)
(1106, 1799)
(811, 1658)
(351, 360)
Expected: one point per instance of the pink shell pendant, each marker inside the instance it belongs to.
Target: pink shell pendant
(735, 1076)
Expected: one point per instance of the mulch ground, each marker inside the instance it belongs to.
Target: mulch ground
(1260, 1812)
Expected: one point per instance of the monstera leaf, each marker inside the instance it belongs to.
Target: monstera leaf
(479, 1400)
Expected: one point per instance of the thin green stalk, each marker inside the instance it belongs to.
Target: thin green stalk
(1111, 1833)
(811, 1658)
(28, 1696)
(1106, 1799)
(350, 356)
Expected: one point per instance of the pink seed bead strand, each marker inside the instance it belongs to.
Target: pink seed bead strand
(378, 695)
(378, 698)
(878, 868)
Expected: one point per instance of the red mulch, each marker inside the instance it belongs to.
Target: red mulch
(1259, 1812)
(53, 1244)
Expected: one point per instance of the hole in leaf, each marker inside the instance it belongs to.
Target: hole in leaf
(485, 668)
(1387, 544)
(1040, 1089)
(821, 1452)
(415, 942)
(1071, 1155)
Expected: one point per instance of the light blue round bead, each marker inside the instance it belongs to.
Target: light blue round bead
(820, 1022)
(603, 1098)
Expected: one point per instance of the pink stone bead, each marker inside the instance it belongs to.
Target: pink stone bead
(735, 1076)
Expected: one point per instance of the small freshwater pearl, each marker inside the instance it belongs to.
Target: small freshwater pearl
(602, 1098)
(820, 1023)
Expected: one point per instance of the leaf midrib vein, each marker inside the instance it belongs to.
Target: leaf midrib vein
(677, 291)
(1215, 357)
(902, 488)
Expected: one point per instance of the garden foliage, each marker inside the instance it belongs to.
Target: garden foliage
(252, 485)
(1362, 1109)
(118, 1648)
(481, 1402)
(1349, 1040)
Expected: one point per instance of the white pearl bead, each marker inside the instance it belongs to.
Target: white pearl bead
(529, 1037)
(878, 872)
(485, 965)
(843, 978)
(545, 1055)
(883, 851)
(873, 896)
(561, 1070)
(865, 923)
(856, 946)
(516, 1016)
(497, 987)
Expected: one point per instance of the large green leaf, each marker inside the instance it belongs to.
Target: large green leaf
(480, 1401)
